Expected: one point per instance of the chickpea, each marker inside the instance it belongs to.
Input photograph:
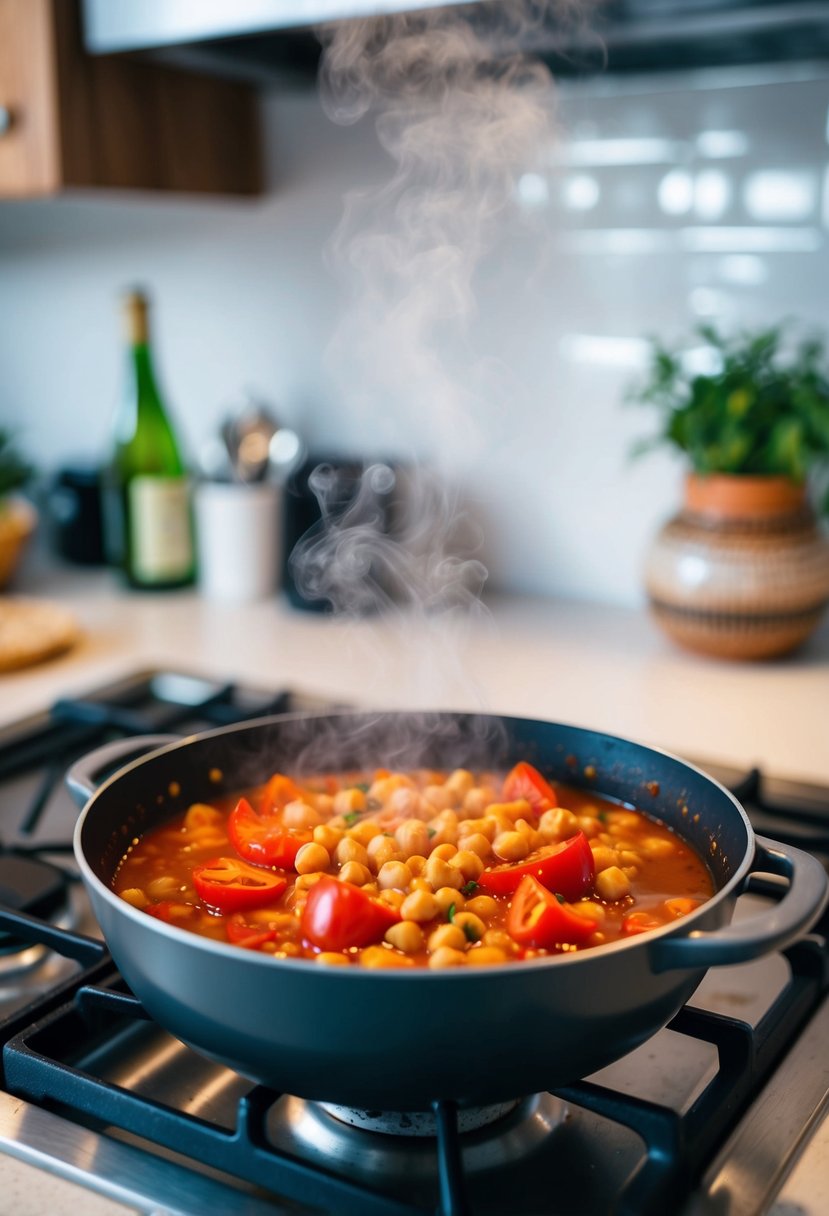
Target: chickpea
(590, 826)
(448, 897)
(444, 851)
(327, 836)
(298, 814)
(329, 958)
(477, 843)
(440, 874)
(355, 872)
(365, 831)
(416, 864)
(558, 824)
(324, 804)
(447, 957)
(603, 857)
(310, 858)
(486, 827)
(380, 850)
(624, 820)
(500, 939)
(420, 906)
(135, 896)
(519, 808)
(612, 883)
(394, 874)
(406, 936)
(305, 881)
(469, 864)
(482, 905)
(628, 858)
(472, 927)
(351, 850)
(346, 802)
(162, 887)
(382, 789)
(441, 797)
(475, 802)
(447, 935)
(378, 956)
(460, 783)
(656, 847)
(485, 956)
(406, 802)
(510, 846)
(391, 897)
(200, 815)
(590, 910)
(413, 838)
(445, 828)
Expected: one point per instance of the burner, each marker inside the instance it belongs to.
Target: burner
(402, 1157)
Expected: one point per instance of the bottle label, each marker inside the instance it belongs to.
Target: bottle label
(160, 534)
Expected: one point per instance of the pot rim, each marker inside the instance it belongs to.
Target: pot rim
(469, 975)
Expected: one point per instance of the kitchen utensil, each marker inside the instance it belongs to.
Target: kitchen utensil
(345, 1035)
(257, 447)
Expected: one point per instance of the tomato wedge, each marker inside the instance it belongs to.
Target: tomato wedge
(536, 918)
(338, 915)
(567, 868)
(227, 884)
(263, 838)
(278, 792)
(524, 781)
(240, 933)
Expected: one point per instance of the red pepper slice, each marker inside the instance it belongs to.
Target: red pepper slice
(278, 792)
(524, 781)
(567, 868)
(161, 910)
(640, 922)
(338, 915)
(263, 838)
(227, 884)
(240, 933)
(536, 918)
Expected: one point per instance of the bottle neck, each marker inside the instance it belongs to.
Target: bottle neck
(141, 365)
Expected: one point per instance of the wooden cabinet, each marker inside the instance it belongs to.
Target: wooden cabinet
(69, 119)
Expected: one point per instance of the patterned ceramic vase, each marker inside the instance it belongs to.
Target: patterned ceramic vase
(742, 571)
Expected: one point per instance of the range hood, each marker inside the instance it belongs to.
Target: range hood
(268, 40)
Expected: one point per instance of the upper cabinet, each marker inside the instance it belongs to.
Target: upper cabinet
(70, 119)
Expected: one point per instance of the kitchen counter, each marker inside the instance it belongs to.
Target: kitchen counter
(604, 667)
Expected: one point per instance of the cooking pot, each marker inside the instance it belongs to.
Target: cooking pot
(399, 1039)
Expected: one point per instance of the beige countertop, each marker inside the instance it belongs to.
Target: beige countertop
(604, 667)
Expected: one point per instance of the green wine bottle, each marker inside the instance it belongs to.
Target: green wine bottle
(148, 518)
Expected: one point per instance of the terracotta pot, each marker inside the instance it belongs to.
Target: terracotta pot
(18, 519)
(742, 571)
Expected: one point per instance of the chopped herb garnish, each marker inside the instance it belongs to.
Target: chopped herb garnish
(351, 818)
(432, 832)
(602, 816)
(389, 834)
(559, 897)
(470, 932)
(470, 888)
(363, 786)
(450, 912)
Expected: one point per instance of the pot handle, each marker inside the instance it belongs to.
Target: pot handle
(800, 905)
(86, 774)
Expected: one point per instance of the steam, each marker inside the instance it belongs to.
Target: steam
(461, 111)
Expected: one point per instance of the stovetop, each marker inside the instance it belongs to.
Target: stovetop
(705, 1119)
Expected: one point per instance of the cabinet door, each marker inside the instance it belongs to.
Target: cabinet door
(29, 147)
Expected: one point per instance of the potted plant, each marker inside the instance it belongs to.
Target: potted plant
(17, 516)
(742, 571)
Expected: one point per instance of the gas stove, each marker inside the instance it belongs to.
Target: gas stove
(719, 1114)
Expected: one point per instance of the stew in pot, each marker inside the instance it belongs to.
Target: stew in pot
(405, 869)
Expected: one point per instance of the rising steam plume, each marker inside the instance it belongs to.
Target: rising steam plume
(461, 110)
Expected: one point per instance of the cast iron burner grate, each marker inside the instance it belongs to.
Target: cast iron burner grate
(49, 1058)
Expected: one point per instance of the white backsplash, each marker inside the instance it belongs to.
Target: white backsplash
(662, 203)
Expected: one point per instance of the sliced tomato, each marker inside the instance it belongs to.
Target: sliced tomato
(227, 884)
(278, 792)
(338, 915)
(536, 918)
(240, 933)
(524, 781)
(567, 868)
(263, 838)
